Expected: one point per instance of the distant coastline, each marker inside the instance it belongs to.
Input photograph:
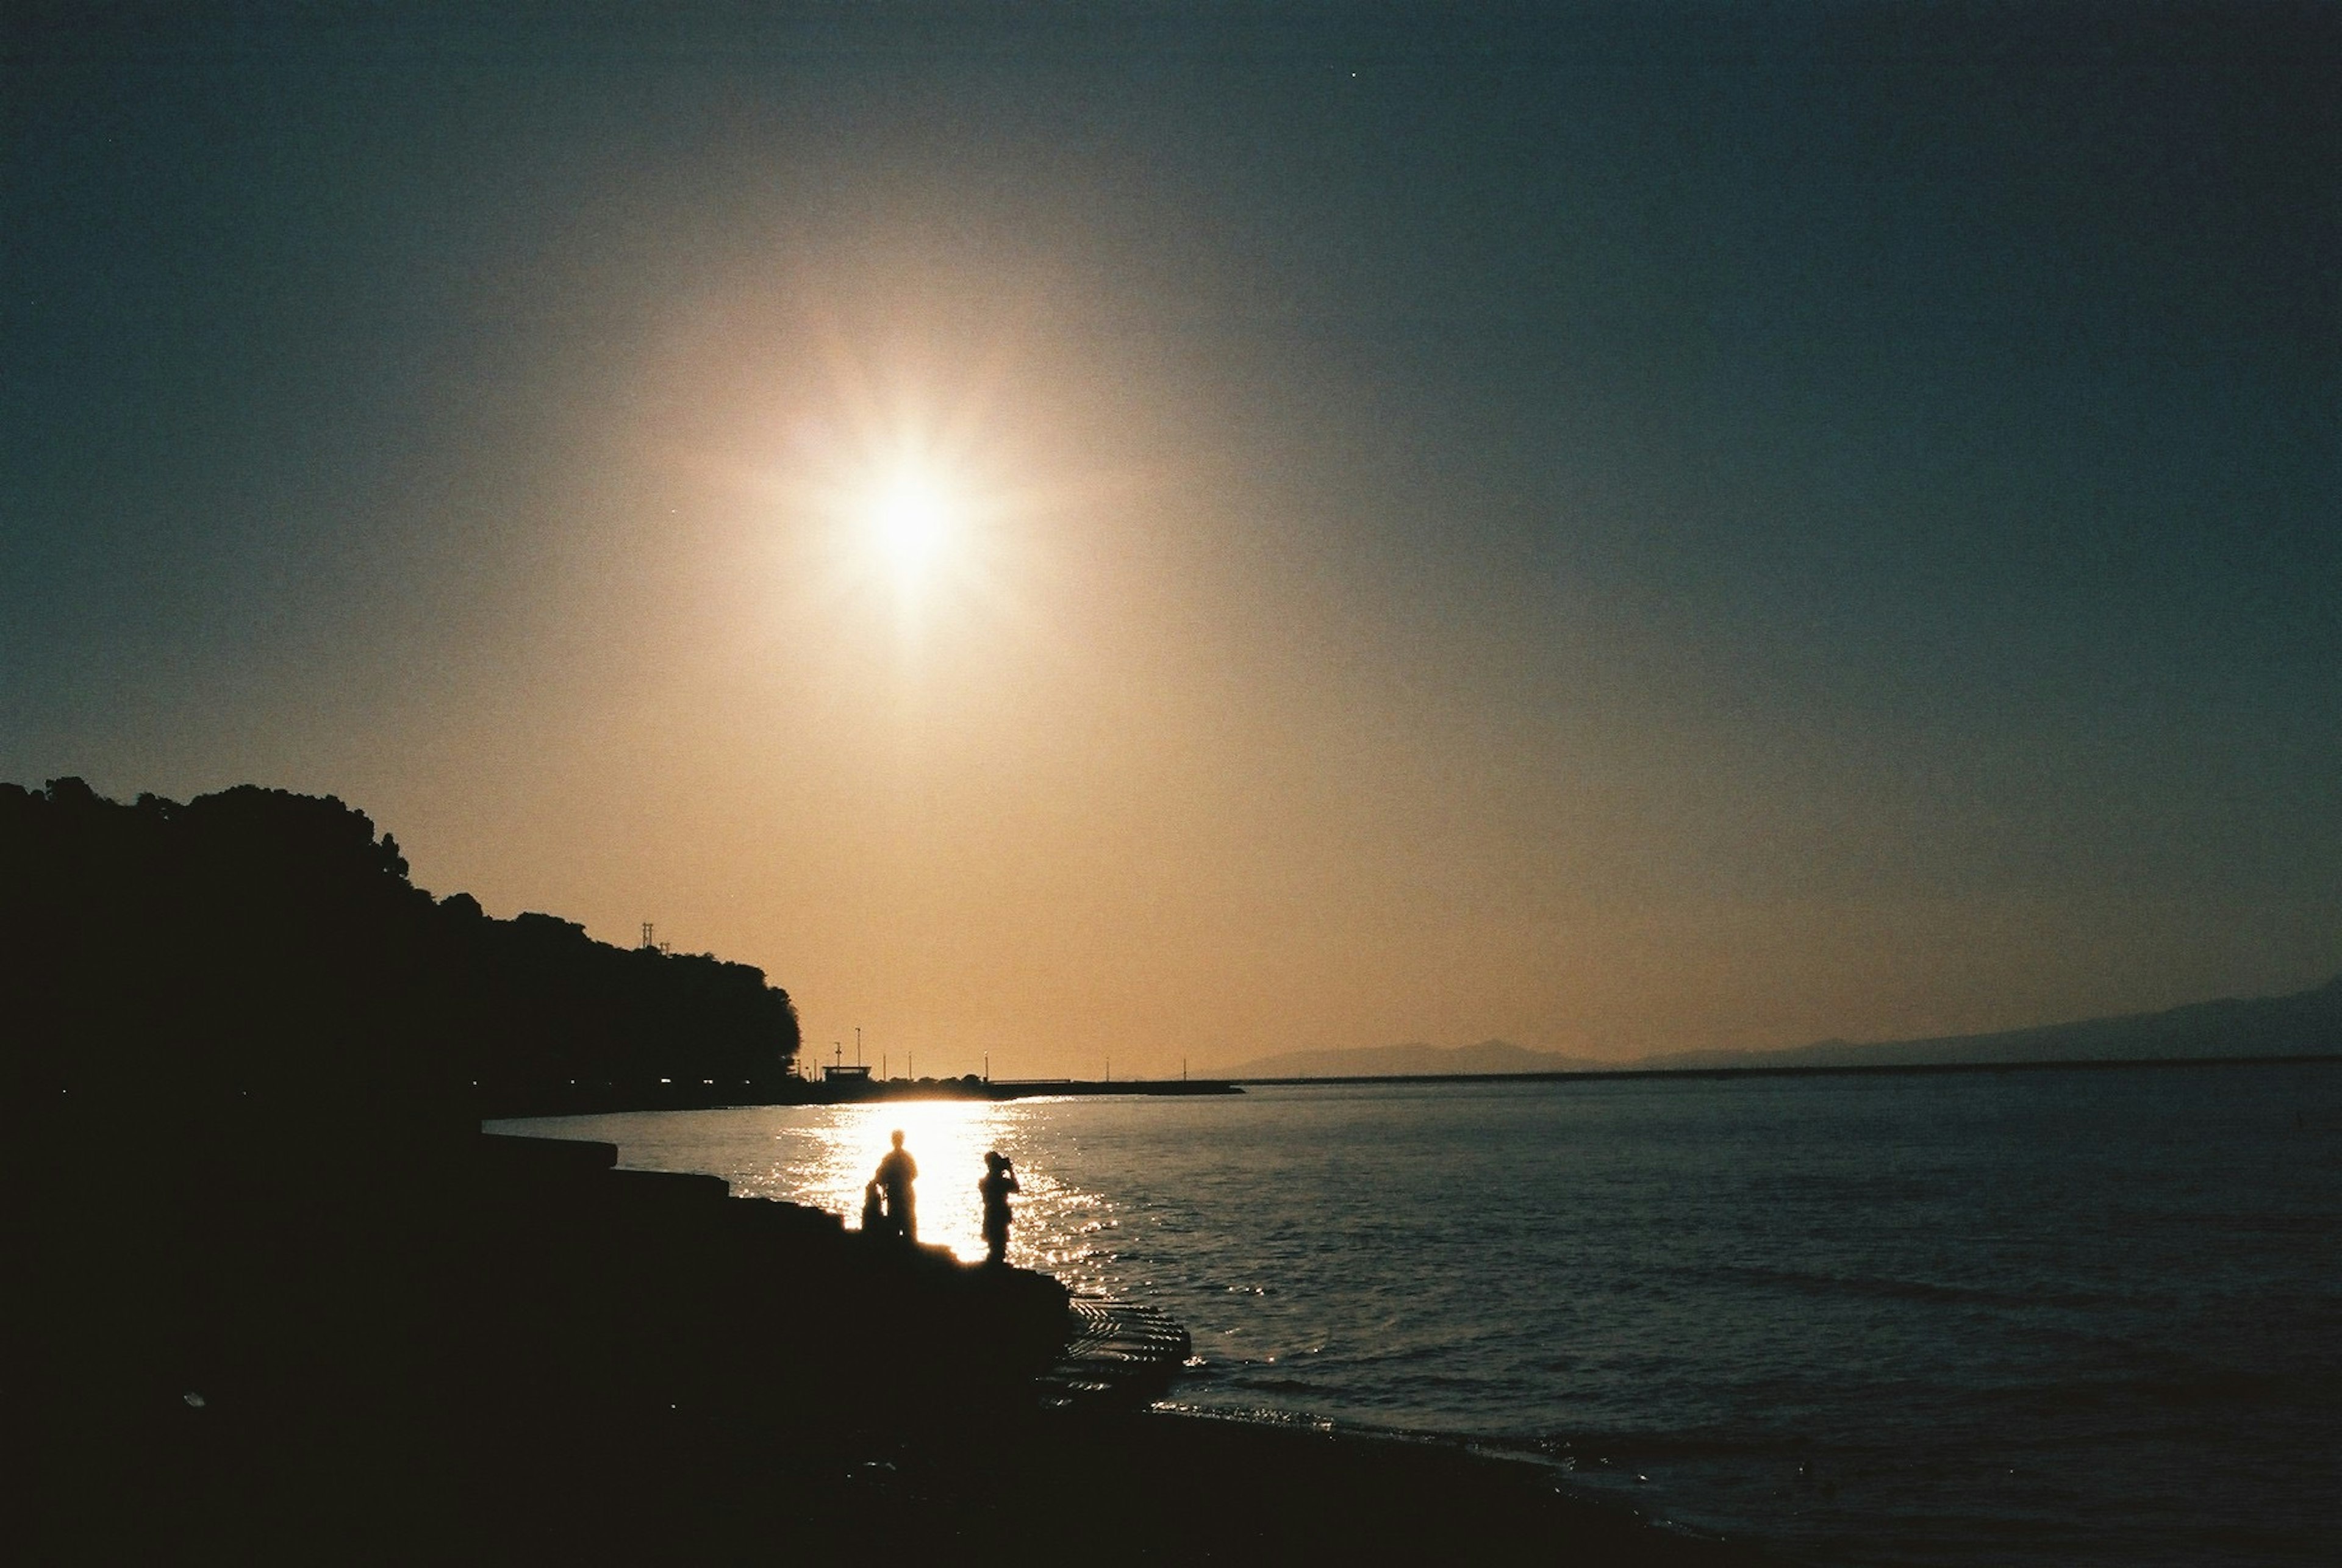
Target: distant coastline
(1846, 1070)
(605, 1101)
(2302, 1024)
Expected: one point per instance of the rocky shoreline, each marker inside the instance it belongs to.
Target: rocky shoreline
(505, 1349)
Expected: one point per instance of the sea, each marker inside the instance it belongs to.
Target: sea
(2072, 1316)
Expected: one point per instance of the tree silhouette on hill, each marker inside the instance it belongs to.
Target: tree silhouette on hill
(262, 945)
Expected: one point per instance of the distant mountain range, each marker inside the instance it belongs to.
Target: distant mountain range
(1399, 1061)
(2303, 1024)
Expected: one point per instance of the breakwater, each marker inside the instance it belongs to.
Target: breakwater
(603, 1098)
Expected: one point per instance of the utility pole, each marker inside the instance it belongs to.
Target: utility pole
(858, 1044)
(987, 1066)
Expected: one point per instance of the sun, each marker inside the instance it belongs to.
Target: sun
(911, 519)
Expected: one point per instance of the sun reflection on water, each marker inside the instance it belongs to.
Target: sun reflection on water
(830, 1158)
(820, 1155)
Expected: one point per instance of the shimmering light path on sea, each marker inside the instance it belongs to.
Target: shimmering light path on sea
(822, 1154)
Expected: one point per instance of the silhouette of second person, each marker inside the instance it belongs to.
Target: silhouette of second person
(896, 1174)
(999, 1180)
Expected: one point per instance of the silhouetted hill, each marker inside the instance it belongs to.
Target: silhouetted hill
(1378, 1061)
(267, 947)
(2301, 1024)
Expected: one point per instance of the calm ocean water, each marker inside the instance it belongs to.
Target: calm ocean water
(2050, 1318)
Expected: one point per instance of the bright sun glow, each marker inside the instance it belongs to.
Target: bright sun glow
(912, 520)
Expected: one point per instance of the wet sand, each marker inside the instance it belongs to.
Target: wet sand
(1184, 1489)
(1137, 1487)
(575, 1486)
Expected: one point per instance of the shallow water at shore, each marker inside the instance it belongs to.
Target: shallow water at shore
(2048, 1317)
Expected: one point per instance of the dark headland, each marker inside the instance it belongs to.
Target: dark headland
(274, 1296)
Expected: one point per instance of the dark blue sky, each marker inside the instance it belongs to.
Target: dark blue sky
(1615, 525)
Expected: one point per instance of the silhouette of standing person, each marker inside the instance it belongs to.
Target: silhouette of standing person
(896, 1172)
(874, 1210)
(999, 1181)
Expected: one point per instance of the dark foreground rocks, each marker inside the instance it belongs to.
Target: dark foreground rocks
(239, 1334)
(245, 1344)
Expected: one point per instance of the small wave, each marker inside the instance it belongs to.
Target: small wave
(1613, 1449)
(1257, 1415)
(1258, 1384)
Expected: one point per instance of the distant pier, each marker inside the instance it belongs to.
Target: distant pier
(848, 1086)
(1029, 1088)
(834, 1089)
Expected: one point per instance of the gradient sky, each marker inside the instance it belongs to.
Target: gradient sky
(1645, 526)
